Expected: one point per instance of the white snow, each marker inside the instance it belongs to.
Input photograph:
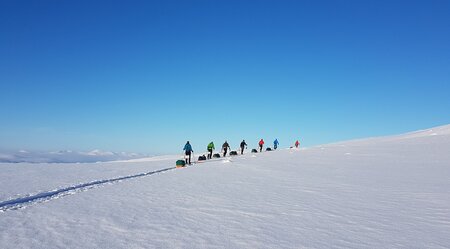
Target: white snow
(390, 192)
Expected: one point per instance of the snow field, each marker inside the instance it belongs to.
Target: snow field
(391, 192)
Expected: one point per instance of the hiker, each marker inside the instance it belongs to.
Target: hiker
(243, 144)
(225, 148)
(275, 144)
(261, 144)
(297, 143)
(188, 151)
(210, 149)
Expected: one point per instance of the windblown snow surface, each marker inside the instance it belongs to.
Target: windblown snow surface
(391, 192)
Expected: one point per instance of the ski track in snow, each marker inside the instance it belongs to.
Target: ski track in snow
(23, 202)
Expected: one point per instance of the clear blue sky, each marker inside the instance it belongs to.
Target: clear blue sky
(145, 76)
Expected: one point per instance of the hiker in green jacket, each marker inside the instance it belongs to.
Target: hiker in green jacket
(210, 149)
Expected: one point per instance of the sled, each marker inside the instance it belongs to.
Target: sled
(180, 164)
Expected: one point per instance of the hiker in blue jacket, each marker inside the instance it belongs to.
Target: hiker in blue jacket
(275, 144)
(188, 151)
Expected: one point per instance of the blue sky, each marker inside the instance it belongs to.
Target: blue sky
(145, 76)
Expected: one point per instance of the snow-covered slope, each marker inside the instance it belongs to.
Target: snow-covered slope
(391, 192)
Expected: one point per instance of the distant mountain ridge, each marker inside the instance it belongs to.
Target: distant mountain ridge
(66, 156)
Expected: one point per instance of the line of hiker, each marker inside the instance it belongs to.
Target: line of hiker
(225, 147)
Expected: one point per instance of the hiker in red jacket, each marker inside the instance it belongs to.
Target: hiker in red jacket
(261, 143)
(297, 143)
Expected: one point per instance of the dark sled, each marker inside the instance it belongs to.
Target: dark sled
(254, 151)
(202, 158)
(217, 155)
(268, 149)
(233, 153)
